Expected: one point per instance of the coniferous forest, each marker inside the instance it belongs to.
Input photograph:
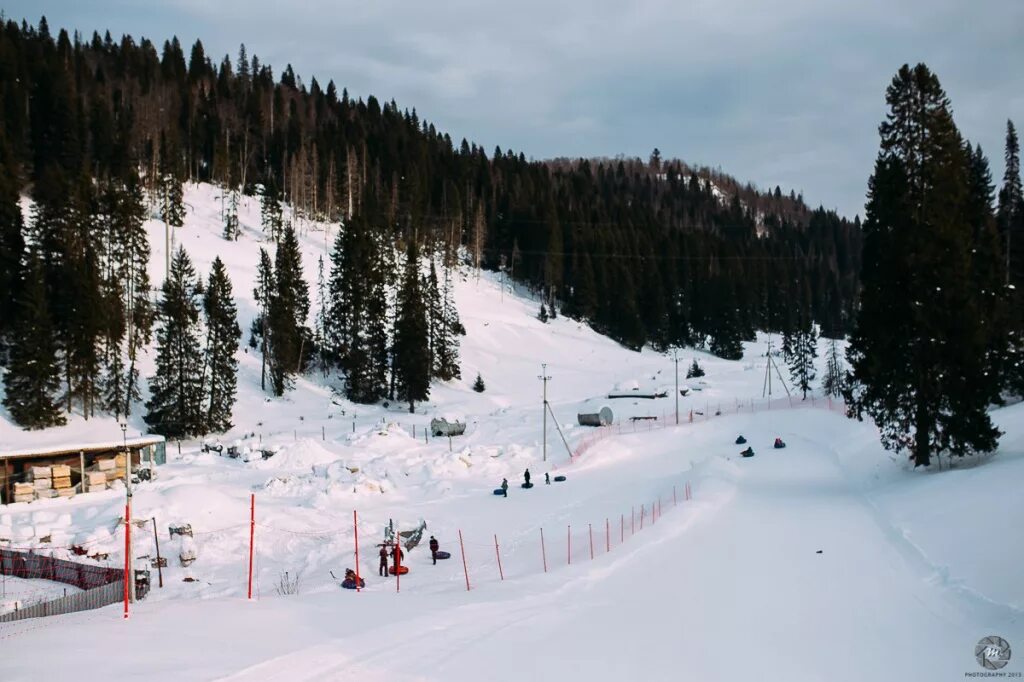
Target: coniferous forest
(648, 251)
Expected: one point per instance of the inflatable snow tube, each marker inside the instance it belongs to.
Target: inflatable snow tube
(351, 584)
(779, 446)
(558, 479)
(444, 555)
(499, 491)
(401, 569)
(747, 453)
(526, 485)
(741, 440)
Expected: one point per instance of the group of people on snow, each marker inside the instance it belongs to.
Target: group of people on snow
(526, 482)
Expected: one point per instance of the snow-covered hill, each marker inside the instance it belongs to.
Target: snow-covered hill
(826, 560)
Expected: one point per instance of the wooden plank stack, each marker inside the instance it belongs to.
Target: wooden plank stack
(24, 492)
(61, 476)
(95, 481)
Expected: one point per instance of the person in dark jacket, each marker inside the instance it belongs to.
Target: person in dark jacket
(526, 477)
(547, 478)
(383, 570)
(504, 486)
(434, 546)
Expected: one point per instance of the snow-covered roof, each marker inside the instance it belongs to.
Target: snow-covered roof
(73, 448)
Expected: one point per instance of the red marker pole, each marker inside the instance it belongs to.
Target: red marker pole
(355, 526)
(252, 536)
(398, 564)
(498, 554)
(127, 553)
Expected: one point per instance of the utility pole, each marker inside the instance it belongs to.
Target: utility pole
(128, 490)
(544, 377)
(675, 358)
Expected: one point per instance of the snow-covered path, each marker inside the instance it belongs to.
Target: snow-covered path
(729, 586)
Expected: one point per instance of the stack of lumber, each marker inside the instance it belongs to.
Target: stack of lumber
(24, 492)
(95, 481)
(61, 476)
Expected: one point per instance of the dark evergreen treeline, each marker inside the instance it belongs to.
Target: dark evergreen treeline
(647, 251)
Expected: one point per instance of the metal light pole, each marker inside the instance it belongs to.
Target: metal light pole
(128, 501)
(675, 358)
(544, 377)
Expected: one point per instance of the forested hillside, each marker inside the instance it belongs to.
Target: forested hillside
(648, 251)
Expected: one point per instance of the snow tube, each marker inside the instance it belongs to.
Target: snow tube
(351, 584)
(779, 446)
(558, 479)
(444, 555)
(747, 453)
(741, 440)
(401, 569)
(499, 491)
(526, 485)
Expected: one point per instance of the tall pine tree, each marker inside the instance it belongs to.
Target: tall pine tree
(411, 354)
(289, 308)
(917, 356)
(222, 335)
(33, 373)
(174, 409)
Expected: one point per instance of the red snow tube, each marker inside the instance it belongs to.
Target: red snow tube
(401, 569)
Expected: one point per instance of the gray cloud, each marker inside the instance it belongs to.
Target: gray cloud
(787, 93)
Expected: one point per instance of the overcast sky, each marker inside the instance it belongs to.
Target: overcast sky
(784, 93)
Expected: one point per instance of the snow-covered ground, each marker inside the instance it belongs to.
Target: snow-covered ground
(914, 568)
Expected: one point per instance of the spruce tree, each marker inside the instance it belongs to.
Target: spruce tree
(411, 355)
(832, 383)
(358, 315)
(289, 309)
(695, 370)
(478, 385)
(271, 215)
(446, 360)
(222, 335)
(174, 409)
(172, 202)
(231, 225)
(803, 353)
(33, 374)
(263, 293)
(1011, 211)
(917, 354)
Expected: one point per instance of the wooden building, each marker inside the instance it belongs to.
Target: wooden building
(84, 463)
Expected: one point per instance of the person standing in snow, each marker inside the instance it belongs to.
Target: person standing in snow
(547, 478)
(434, 546)
(398, 556)
(504, 486)
(383, 570)
(526, 477)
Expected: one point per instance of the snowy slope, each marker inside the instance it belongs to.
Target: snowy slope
(728, 585)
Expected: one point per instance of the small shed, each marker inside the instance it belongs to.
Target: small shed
(75, 468)
(440, 427)
(602, 417)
